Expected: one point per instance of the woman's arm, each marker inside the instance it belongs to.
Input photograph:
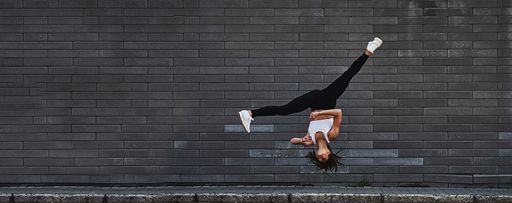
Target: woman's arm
(328, 112)
(337, 113)
(306, 140)
(332, 112)
(335, 130)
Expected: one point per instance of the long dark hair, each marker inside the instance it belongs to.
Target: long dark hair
(330, 164)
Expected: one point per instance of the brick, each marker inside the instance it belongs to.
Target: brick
(249, 12)
(473, 53)
(447, 44)
(127, 4)
(398, 28)
(274, 169)
(472, 20)
(448, 111)
(373, 153)
(348, 11)
(423, 153)
(273, 4)
(473, 152)
(490, 28)
(398, 178)
(249, 61)
(254, 128)
(423, 20)
(505, 135)
(249, 161)
(249, 45)
(202, 178)
(298, 11)
(352, 28)
(489, 160)
(472, 3)
(373, 20)
(395, 127)
(298, 45)
(324, 20)
(273, 20)
(165, 4)
(422, 36)
(298, 28)
(224, 153)
(373, 169)
(473, 169)
(504, 152)
(471, 36)
(215, 3)
(423, 169)
(447, 11)
(398, 78)
(324, 36)
(397, 12)
(473, 102)
(448, 178)
(447, 28)
(322, 4)
(491, 178)
(473, 136)
(398, 161)
(299, 61)
(373, 4)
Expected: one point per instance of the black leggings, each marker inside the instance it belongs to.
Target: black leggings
(316, 99)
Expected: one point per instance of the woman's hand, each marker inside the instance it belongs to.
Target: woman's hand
(313, 115)
(306, 140)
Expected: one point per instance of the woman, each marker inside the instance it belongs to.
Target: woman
(325, 119)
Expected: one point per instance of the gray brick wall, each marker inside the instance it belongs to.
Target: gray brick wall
(147, 91)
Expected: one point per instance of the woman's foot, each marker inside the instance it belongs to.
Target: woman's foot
(373, 45)
(246, 118)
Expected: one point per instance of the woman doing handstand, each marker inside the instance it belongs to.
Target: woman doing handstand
(325, 119)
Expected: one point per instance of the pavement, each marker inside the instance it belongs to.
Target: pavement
(271, 193)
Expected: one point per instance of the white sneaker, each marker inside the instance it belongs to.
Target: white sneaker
(372, 45)
(246, 119)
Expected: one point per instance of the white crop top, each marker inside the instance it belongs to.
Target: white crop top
(323, 125)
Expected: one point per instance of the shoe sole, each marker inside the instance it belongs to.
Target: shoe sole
(379, 41)
(243, 123)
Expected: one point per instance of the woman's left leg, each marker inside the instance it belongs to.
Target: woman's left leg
(296, 105)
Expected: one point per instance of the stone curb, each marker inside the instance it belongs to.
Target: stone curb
(254, 198)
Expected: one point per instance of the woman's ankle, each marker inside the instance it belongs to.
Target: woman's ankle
(368, 53)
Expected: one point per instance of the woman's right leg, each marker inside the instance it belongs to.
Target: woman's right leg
(338, 86)
(296, 105)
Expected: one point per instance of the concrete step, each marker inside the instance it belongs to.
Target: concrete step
(263, 194)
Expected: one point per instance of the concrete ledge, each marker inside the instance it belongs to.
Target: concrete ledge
(243, 197)
(253, 194)
(123, 198)
(416, 198)
(493, 199)
(253, 198)
(335, 197)
(30, 198)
